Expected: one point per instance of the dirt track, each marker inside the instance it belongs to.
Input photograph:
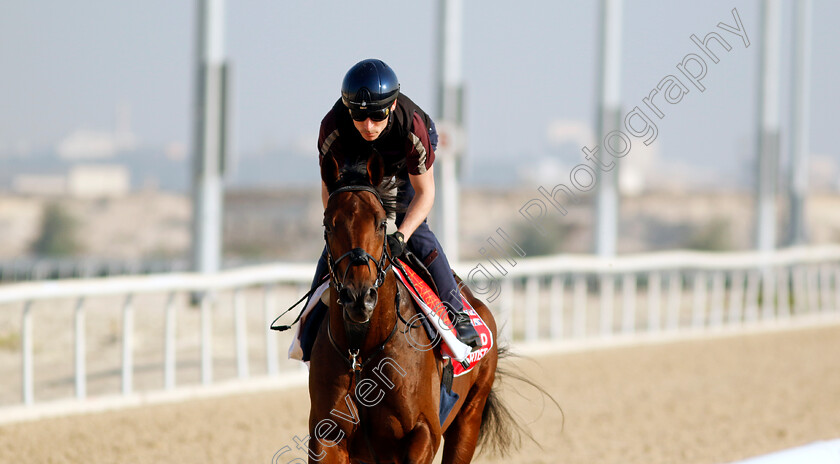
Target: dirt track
(710, 401)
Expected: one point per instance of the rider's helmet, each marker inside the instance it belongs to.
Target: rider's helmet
(369, 85)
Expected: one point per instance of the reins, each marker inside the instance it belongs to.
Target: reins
(354, 358)
(353, 354)
(358, 256)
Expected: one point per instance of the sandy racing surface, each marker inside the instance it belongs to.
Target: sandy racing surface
(707, 401)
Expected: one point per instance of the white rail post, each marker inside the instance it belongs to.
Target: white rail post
(607, 303)
(751, 303)
(128, 346)
(837, 289)
(532, 308)
(768, 289)
(206, 339)
(579, 306)
(271, 361)
(241, 330)
(736, 297)
(507, 303)
(825, 288)
(169, 343)
(813, 289)
(800, 294)
(698, 307)
(556, 307)
(782, 284)
(654, 301)
(26, 353)
(716, 309)
(81, 371)
(628, 307)
(674, 300)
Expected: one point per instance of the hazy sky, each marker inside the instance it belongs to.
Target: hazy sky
(66, 66)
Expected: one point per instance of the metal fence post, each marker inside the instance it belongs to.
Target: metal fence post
(26, 353)
(80, 350)
(169, 349)
(128, 346)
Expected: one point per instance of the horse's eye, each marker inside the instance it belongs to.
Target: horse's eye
(383, 224)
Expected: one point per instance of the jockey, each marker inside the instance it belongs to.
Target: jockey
(373, 114)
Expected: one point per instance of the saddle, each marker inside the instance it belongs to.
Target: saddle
(420, 269)
(417, 279)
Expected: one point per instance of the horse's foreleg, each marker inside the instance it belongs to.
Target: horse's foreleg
(322, 451)
(461, 437)
(422, 445)
(325, 455)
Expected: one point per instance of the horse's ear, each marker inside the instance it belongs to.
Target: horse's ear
(329, 171)
(375, 169)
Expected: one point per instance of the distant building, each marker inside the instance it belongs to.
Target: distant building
(824, 173)
(87, 144)
(94, 181)
(40, 184)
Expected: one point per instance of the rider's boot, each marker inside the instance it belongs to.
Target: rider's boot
(464, 329)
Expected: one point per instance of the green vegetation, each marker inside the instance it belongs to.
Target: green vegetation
(58, 234)
(10, 341)
(716, 235)
(536, 244)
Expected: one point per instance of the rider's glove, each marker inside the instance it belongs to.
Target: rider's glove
(396, 242)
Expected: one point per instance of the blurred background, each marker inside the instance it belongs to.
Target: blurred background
(158, 136)
(98, 115)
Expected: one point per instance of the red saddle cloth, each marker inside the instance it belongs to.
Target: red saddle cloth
(426, 296)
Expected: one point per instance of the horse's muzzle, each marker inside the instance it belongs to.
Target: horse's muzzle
(358, 303)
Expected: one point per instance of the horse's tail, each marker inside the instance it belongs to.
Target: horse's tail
(500, 430)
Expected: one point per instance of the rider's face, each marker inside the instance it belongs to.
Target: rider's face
(370, 129)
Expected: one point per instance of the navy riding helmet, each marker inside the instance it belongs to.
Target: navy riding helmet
(369, 85)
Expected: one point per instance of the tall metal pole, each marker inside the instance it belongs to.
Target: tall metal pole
(450, 112)
(609, 119)
(210, 135)
(768, 133)
(800, 121)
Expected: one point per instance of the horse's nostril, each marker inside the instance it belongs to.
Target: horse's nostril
(370, 298)
(345, 296)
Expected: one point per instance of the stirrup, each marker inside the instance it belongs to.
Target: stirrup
(471, 338)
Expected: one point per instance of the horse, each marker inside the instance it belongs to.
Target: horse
(374, 396)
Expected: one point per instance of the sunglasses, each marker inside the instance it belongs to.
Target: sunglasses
(374, 115)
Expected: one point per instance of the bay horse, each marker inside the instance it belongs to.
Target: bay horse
(374, 395)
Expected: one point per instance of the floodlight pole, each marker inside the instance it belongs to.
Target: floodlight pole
(768, 131)
(608, 120)
(800, 121)
(450, 90)
(210, 135)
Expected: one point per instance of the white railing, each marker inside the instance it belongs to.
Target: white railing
(723, 289)
(203, 288)
(549, 298)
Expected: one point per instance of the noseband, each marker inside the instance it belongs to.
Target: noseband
(358, 256)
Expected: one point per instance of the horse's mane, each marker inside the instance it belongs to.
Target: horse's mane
(355, 174)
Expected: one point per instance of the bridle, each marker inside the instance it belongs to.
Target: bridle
(358, 256)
